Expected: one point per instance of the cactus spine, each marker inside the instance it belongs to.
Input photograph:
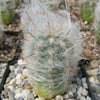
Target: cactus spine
(50, 52)
(7, 11)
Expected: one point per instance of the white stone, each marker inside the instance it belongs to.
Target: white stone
(84, 80)
(92, 72)
(18, 95)
(88, 98)
(70, 93)
(10, 87)
(85, 85)
(12, 68)
(84, 92)
(91, 79)
(79, 92)
(66, 96)
(40, 98)
(59, 97)
(20, 62)
(18, 79)
(25, 93)
(12, 81)
(82, 98)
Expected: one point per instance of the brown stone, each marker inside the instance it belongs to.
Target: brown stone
(23, 77)
(27, 86)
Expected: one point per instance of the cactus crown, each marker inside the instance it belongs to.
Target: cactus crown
(51, 50)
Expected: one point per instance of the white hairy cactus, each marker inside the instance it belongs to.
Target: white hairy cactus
(97, 22)
(52, 49)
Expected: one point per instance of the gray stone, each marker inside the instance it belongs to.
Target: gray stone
(23, 82)
(20, 98)
(11, 95)
(96, 97)
(98, 77)
(12, 74)
(30, 96)
(96, 88)
(70, 94)
(84, 92)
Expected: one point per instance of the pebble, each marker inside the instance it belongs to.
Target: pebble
(12, 74)
(82, 98)
(92, 72)
(18, 95)
(18, 79)
(91, 79)
(96, 89)
(66, 96)
(11, 87)
(27, 85)
(11, 95)
(59, 97)
(79, 91)
(98, 77)
(23, 77)
(83, 80)
(88, 98)
(70, 94)
(84, 92)
(8, 79)
(12, 68)
(20, 62)
(40, 98)
(20, 98)
(13, 82)
(18, 71)
(85, 85)
(94, 64)
(30, 96)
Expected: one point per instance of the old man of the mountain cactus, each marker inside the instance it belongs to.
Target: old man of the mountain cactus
(51, 51)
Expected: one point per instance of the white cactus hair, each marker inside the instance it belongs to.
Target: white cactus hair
(38, 21)
(97, 15)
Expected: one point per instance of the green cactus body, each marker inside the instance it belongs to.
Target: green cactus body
(7, 12)
(1, 41)
(16, 3)
(98, 33)
(50, 66)
(87, 11)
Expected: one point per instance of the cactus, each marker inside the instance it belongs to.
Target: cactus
(98, 34)
(16, 2)
(50, 52)
(0, 40)
(7, 11)
(87, 11)
(97, 22)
